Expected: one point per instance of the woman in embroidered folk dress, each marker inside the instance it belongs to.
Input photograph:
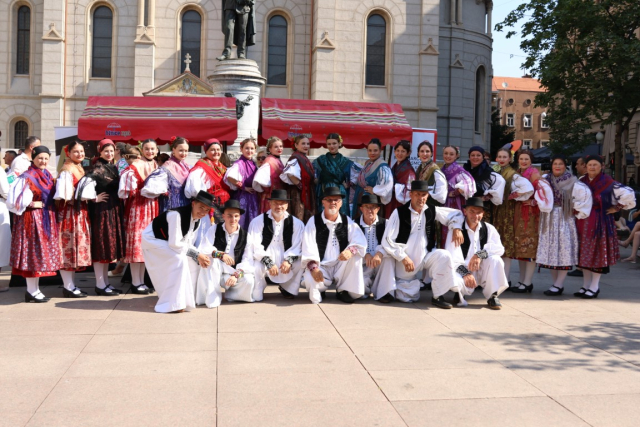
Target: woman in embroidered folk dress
(5, 224)
(207, 175)
(597, 233)
(430, 172)
(139, 210)
(239, 177)
(267, 177)
(517, 188)
(106, 217)
(403, 174)
(35, 249)
(334, 170)
(489, 184)
(460, 184)
(299, 174)
(526, 224)
(564, 198)
(73, 218)
(168, 181)
(375, 178)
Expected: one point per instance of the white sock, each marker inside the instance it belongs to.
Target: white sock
(67, 279)
(595, 282)
(526, 271)
(137, 273)
(101, 270)
(32, 285)
(559, 279)
(507, 266)
(587, 275)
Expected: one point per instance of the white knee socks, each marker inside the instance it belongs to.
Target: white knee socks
(32, 285)
(558, 279)
(137, 273)
(526, 271)
(595, 282)
(101, 270)
(67, 279)
(507, 267)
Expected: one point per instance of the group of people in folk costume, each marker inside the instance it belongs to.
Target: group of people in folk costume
(367, 230)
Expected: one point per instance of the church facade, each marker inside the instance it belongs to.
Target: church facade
(433, 57)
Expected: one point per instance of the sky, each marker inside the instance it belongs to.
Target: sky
(507, 56)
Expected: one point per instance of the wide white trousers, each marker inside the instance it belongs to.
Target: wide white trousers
(490, 277)
(347, 275)
(260, 274)
(212, 280)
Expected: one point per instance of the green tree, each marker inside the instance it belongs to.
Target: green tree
(586, 54)
(500, 134)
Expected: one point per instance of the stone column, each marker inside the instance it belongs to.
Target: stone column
(144, 62)
(241, 78)
(324, 54)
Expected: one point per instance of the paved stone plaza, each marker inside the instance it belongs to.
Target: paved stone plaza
(538, 362)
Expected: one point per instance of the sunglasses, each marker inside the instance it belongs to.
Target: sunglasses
(262, 157)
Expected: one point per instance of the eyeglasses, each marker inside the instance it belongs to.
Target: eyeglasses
(261, 158)
(332, 201)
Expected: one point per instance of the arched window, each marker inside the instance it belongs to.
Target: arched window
(480, 100)
(376, 50)
(20, 133)
(23, 40)
(191, 41)
(102, 42)
(277, 53)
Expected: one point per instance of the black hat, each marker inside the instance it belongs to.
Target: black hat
(419, 186)
(39, 150)
(279, 195)
(232, 204)
(369, 199)
(474, 202)
(331, 191)
(204, 197)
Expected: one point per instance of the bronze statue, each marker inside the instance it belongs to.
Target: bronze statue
(238, 26)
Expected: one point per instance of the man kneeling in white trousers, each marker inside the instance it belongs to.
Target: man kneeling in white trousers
(409, 245)
(478, 260)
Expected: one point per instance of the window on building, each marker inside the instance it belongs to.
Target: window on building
(277, 51)
(20, 133)
(146, 13)
(376, 50)
(544, 142)
(511, 119)
(102, 42)
(543, 121)
(23, 40)
(480, 99)
(526, 143)
(191, 41)
(527, 120)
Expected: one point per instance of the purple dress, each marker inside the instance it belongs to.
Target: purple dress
(244, 170)
(457, 178)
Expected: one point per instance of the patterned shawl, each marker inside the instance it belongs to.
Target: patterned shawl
(562, 187)
(177, 168)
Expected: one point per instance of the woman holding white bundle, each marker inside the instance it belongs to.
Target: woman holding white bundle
(565, 198)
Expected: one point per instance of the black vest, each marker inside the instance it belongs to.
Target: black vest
(483, 238)
(380, 226)
(160, 226)
(322, 234)
(220, 242)
(404, 215)
(267, 232)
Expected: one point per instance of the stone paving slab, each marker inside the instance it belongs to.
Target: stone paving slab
(113, 361)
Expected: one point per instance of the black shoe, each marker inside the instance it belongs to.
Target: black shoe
(554, 293)
(72, 294)
(522, 290)
(440, 302)
(575, 273)
(139, 290)
(509, 288)
(425, 286)
(456, 298)
(286, 294)
(590, 294)
(494, 302)
(387, 298)
(107, 292)
(117, 291)
(323, 294)
(580, 292)
(152, 289)
(30, 298)
(345, 297)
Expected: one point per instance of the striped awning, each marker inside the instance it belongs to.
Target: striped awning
(356, 122)
(129, 118)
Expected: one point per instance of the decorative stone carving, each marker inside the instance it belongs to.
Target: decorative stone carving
(430, 49)
(457, 63)
(53, 34)
(325, 43)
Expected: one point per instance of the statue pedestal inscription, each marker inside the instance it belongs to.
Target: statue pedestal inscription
(241, 79)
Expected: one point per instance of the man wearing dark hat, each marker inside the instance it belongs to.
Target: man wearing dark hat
(170, 256)
(225, 244)
(478, 259)
(409, 243)
(333, 247)
(373, 228)
(275, 246)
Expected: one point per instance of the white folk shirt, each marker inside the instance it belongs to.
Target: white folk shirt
(416, 246)
(176, 241)
(310, 251)
(207, 245)
(371, 236)
(493, 246)
(20, 164)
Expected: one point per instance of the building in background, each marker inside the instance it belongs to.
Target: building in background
(514, 98)
(431, 56)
